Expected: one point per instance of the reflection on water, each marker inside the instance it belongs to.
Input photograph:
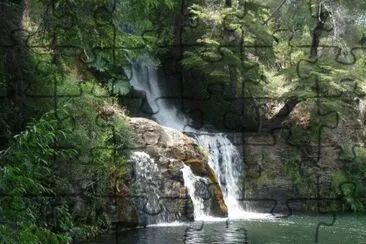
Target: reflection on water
(295, 229)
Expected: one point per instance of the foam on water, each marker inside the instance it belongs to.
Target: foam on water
(169, 224)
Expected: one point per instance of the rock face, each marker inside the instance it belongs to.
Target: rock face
(156, 190)
(282, 178)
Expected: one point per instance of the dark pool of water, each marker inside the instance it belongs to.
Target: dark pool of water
(294, 229)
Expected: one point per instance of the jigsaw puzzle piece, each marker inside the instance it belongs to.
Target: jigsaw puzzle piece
(149, 90)
(128, 204)
(10, 26)
(188, 231)
(228, 224)
(214, 57)
(327, 82)
(157, 180)
(220, 68)
(350, 57)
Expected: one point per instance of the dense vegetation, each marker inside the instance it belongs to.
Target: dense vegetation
(61, 79)
(64, 137)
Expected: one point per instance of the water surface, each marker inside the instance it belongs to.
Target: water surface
(294, 229)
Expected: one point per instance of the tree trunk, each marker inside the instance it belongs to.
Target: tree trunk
(13, 55)
(277, 120)
(321, 17)
(233, 78)
(13, 70)
(228, 3)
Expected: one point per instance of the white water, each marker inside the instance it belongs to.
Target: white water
(147, 172)
(146, 166)
(144, 78)
(224, 158)
(189, 181)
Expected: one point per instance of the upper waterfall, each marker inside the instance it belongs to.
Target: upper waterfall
(144, 78)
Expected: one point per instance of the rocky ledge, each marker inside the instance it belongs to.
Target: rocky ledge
(153, 190)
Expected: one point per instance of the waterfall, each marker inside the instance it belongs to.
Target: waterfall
(226, 162)
(190, 181)
(224, 158)
(144, 78)
(147, 173)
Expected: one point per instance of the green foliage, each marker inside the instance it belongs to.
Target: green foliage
(26, 181)
(220, 57)
(224, 54)
(33, 167)
(70, 149)
(352, 201)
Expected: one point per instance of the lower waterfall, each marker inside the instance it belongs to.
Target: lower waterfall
(147, 172)
(190, 181)
(226, 162)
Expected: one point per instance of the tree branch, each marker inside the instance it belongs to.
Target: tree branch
(272, 14)
(277, 120)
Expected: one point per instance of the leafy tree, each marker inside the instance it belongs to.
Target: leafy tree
(250, 45)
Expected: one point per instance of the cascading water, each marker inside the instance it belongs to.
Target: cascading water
(144, 78)
(224, 158)
(190, 181)
(147, 172)
(226, 162)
